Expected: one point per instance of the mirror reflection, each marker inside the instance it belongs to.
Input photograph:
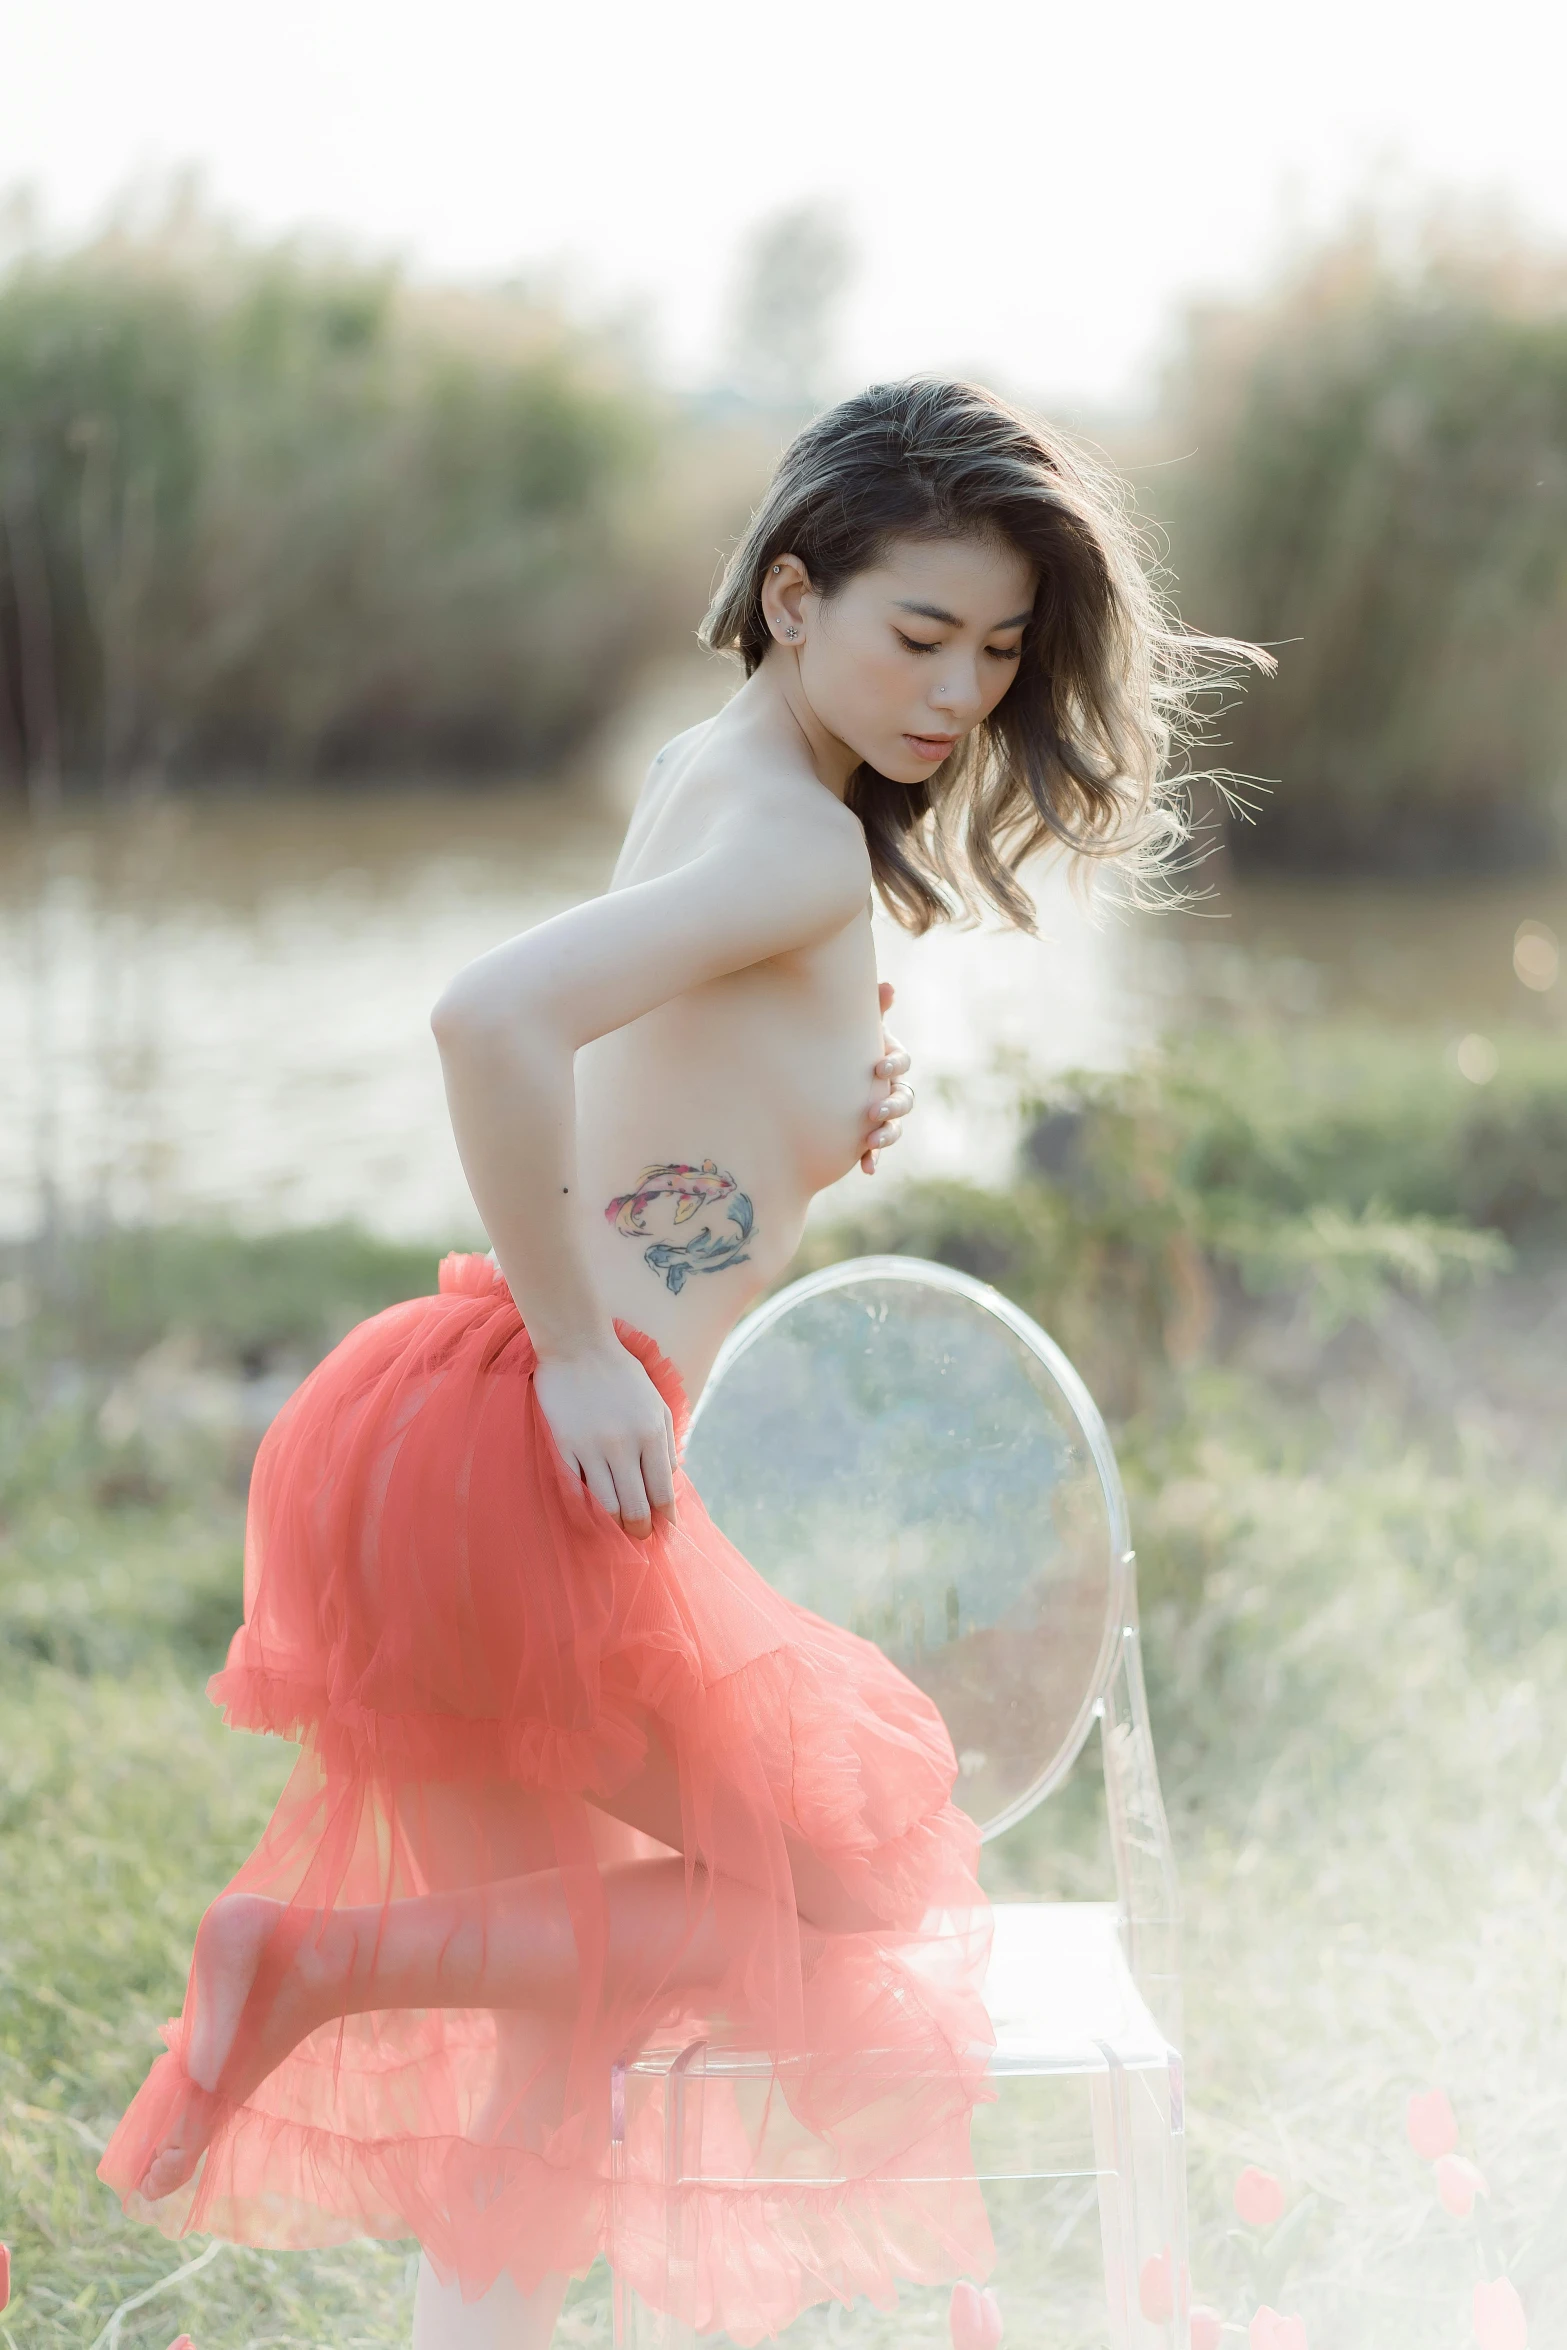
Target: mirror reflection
(896, 1457)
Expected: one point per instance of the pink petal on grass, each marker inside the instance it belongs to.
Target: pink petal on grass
(1207, 2327)
(974, 2318)
(1259, 2199)
(1156, 2287)
(1432, 2126)
(5, 2274)
(1499, 2320)
(1458, 2182)
(182, 2342)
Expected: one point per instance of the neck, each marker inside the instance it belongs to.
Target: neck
(776, 688)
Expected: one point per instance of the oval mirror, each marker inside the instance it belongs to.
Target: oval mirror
(901, 1450)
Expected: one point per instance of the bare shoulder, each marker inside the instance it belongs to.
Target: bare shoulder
(766, 850)
(667, 766)
(673, 753)
(791, 835)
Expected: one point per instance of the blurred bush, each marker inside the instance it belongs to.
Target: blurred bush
(265, 511)
(245, 1299)
(1162, 1210)
(1378, 488)
(1349, 1116)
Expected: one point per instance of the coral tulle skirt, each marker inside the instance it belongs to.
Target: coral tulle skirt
(477, 1661)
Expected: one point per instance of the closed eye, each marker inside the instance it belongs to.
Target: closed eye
(914, 644)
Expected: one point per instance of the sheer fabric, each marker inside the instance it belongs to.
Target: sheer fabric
(477, 1661)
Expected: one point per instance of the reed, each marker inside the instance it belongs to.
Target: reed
(269, 513)
(1373, 481)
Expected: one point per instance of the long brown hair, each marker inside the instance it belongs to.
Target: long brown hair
(1077, 754)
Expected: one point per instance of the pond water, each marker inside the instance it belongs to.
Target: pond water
(221, 1006)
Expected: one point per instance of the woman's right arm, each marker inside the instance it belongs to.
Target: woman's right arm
(509, 1027)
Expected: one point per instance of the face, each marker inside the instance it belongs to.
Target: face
(911, 655)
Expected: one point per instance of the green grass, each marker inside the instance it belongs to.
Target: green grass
(122, 1804)
(1355, 1604)
(1358, 1677)
(1358, 1670)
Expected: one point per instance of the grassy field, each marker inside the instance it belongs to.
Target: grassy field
(1350, 1512)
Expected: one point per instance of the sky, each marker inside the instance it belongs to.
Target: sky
(1032, 189)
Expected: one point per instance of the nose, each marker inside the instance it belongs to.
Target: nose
(959, 692)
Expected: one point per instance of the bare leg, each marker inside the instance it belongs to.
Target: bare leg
(265, 1979)
(651, 1802)
(501, 2319)
(507, 1945)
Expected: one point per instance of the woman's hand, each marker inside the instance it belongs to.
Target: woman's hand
(894, 1104)
(613, 1430)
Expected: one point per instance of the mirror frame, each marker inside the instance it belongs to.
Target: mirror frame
(922, 1273)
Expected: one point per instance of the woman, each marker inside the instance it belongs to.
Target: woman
(573, 1779)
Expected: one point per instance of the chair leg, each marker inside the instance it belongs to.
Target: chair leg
(1114, 2161)
(1141, 2159)
(636, 2323)
(1175, 2204)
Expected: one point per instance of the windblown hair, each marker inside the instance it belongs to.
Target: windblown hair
(1078, 753)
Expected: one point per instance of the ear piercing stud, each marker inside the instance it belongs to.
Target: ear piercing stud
(793, 632)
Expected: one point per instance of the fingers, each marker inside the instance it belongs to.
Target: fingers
(596, 1476)
(881, 1138)
(615, 1432)
(637, 1487)
(658, 1475)
(631, 1501)
(893, 1067)
(886, 1116)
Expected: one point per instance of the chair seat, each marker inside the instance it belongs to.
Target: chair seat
(1060, 1993)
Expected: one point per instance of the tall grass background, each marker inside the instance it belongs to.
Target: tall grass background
(267, 513)
(1371, 476)
(273, 512)
(273, 516)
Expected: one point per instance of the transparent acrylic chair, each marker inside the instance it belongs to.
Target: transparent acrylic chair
(905, 1452)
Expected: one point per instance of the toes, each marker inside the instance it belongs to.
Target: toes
(164, 2174)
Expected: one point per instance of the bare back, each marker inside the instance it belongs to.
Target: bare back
(705, 1126)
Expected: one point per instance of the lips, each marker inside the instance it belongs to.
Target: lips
(931, 746)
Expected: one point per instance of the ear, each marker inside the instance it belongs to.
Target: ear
(786, 584)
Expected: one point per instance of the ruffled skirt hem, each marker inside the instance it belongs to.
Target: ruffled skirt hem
(479, 1663)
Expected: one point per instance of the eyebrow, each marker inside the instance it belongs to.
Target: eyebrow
(951, 620)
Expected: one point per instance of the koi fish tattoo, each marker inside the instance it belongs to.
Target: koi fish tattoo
(690, 1188)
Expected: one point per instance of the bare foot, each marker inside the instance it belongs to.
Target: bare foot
(231, 1943)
